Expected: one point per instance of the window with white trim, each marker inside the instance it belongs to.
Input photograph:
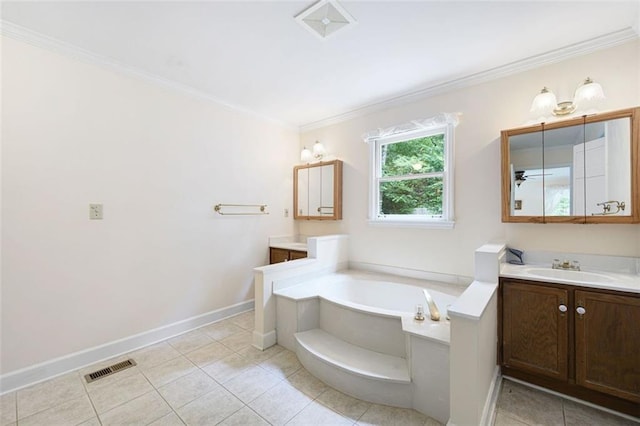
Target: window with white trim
(411, 174)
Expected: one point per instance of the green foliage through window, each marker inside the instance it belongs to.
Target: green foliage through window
(411, 181)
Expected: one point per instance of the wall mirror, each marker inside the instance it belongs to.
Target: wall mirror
(582, 170)
(317, 191)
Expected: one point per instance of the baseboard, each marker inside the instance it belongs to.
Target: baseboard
(263, 341)
(62, 365)
(489, 410)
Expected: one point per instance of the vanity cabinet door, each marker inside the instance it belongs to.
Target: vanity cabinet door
(608, 343)
(295, 254)
(535, 329)
(277, 255)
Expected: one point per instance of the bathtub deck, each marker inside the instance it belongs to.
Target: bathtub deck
(354, 359)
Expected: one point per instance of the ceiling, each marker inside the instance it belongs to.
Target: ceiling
(253, 55)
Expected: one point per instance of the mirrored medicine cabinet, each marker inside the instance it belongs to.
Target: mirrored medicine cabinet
(317, 191)
(581, 170)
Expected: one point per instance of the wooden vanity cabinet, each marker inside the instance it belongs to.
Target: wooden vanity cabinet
(535, 334)
(607, 338)
(277, 255)
(578, 341)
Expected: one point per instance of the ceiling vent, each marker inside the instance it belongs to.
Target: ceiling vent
(325, 18)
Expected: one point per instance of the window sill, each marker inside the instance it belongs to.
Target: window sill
(412, 224)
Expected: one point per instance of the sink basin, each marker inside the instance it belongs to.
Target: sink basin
(579, 276)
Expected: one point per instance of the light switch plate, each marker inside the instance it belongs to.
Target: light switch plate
(95, 211)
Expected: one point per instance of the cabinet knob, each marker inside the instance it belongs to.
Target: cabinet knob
(562, 308)
(580, 310)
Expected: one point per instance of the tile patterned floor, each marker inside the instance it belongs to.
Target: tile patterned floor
(213, 375)
(520, 405)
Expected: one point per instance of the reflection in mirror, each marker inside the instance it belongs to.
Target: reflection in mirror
(525, 168)
(528, 196)
(580, 170)
(315, 190)
(604, 157)
(325, 208)
(302, 196)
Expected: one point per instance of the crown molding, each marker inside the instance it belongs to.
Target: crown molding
(34, 38)
(536, 61)
(18, 32)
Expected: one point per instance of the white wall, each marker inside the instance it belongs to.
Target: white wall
(75, 133)
(487, 108)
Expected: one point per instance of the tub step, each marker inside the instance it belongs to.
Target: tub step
(353, 359)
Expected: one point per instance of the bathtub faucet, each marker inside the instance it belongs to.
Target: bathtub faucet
(434, 313)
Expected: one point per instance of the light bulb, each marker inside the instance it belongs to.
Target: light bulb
(544, 103)
(305, 155)
(318, 150)
(588, 91)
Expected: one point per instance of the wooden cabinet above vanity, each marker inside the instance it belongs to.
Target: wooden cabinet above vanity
(581, 170)
(317, 191)
(584, 342)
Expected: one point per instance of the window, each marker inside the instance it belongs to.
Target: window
(411, 176)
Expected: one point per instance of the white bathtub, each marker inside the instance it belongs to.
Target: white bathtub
(356, 332)
(382, 295)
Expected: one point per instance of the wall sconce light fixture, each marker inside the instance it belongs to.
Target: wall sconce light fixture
(306, 156)
(545, 102)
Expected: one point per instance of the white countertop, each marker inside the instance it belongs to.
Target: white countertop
(585, 278)
(290, 246)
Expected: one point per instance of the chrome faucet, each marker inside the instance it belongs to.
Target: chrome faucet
(434, 313)
(574, 265)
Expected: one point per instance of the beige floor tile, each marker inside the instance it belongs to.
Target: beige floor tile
(529, 405)
(190, 341)
(251, 384)
(384, 415)
(91, 422)
(576, 414)
(280, 404)
(71, 412)
(344, 404)
(503, 419)
(282, 365)
(107, 397)
(187, 388)
(318, 414)
(208, 354)
(154, 355)
(245, 320)
(228, 367)
(244, 417)
(307, 383)
(169, 371)
(433, 422)
(258, 356)
(170, 419)
(140, 411)
(49, 394)
(8, 408)
(221, 330)
(210, 408)
(238, 341)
